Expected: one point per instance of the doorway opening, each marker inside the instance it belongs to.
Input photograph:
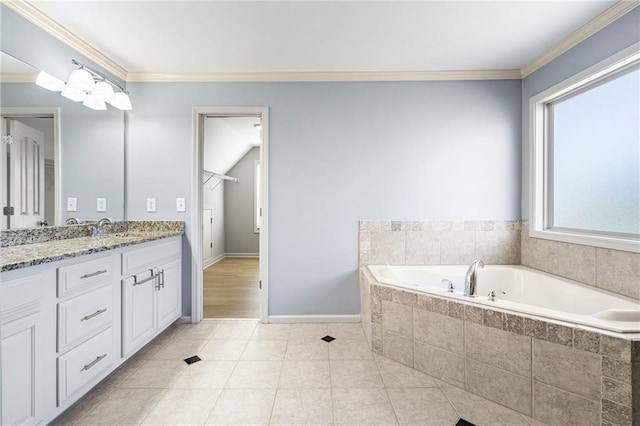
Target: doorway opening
(230, 269)
(29, 171)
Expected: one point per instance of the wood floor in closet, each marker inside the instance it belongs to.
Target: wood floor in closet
(231, 289)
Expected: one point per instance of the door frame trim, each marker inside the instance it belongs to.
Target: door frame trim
(195, 234)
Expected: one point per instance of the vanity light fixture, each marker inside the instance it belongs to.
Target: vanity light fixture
(88, 86)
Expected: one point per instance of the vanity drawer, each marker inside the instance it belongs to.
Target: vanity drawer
(83, 316)
(84, 363)
(77, 278)
(136, 261)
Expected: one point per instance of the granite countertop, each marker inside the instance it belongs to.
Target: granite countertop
(25, 255)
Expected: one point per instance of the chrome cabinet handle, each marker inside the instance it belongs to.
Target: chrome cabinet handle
(152, 277)
(93, 274)
(95, 314)
(94, 362)
(162, 278)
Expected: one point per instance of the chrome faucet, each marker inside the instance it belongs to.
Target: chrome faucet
(102, 227)
(471, 278)
(72, 221)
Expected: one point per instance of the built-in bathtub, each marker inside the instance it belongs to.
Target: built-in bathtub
(527, 291)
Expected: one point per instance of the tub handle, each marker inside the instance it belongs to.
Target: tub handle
(492, 294)
(450, 287)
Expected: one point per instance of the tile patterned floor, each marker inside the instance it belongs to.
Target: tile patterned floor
(275, 374)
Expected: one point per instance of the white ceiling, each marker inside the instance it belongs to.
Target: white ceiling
(227, 140)
(302, 36)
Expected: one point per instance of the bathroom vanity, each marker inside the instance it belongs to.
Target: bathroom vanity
(72, 311)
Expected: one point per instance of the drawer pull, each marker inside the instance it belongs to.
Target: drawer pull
(152, 277)
(93, 274)
(94, 362)
(95, 314)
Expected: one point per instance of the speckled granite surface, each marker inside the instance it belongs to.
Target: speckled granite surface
(57, 248)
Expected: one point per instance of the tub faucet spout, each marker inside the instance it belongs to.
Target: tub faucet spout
(471, 278)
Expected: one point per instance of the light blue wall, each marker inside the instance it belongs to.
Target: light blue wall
(617, 36)
(339, 152)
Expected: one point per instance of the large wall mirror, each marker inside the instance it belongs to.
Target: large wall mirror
(58, 159)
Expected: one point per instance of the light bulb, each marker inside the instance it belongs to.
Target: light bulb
(121, 101)
(104, 91)
(73, 93)
(49, 82)
(94, 102)
(82, 79)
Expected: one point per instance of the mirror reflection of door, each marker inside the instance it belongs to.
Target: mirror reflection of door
(27, 175)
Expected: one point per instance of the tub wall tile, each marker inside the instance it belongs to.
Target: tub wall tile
(440, 306)
(387, 248)
(423, 248)
(616, 369)
(586, 340)
(513, 323)
(615, 348)
(397, 348)
(618, 271)
(438, 330)
(404, 297)
(535, 328)
(492, 318)
(615, 413)
(559, 408)
(498, 247)
(501, 386)
(424, 302)
(441, 364)
(616, 391)
(635, 392)
(500, 349)
(397, 319)
(569, 369)
(559, 334)
(473, 314)
(456, 310)
(457, 247)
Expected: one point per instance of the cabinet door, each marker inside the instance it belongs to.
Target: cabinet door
(169, 294)
(138, 312)
(22, 396)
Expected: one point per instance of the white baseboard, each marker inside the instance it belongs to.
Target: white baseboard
(287, 319)
(242, 255)
(212, 261)
(184, 320)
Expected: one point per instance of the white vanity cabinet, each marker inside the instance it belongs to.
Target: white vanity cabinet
(23, 330)
(151, 292)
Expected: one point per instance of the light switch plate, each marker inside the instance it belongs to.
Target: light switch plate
(72, 204)
(181, 205)
(151, 205)
(101, 205)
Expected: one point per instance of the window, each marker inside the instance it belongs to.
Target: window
(586, 157)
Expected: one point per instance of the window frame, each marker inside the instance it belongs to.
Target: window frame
(540, 203)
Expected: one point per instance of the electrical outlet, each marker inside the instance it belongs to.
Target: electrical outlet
(151, 205)
(72, 204)
(181, 206)
(101, 205)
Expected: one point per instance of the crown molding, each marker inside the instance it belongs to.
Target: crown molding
(322, 76)
(596, 24)
(41, 20)
(18, 77)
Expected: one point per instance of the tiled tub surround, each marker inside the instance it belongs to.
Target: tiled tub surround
(30, 247)
(557, 373)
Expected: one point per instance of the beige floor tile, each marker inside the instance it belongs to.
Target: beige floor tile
(349, 349)
(201, 330)
(243, 407)
(305, 374)
(300, 350)
(75, 413)
(179, 349)
(355, 374)
(396, 375)
(223, 350)
(117, 378)
(271, 332)
(255, 375)
(349, 331)
(183, 407)
(205, 375)
(155, 374)
(362, 407)
(308, 332)
(422, 406)
(264, 350)
(302, 406)
(124, 407)
(235, 330)
(480, 411)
